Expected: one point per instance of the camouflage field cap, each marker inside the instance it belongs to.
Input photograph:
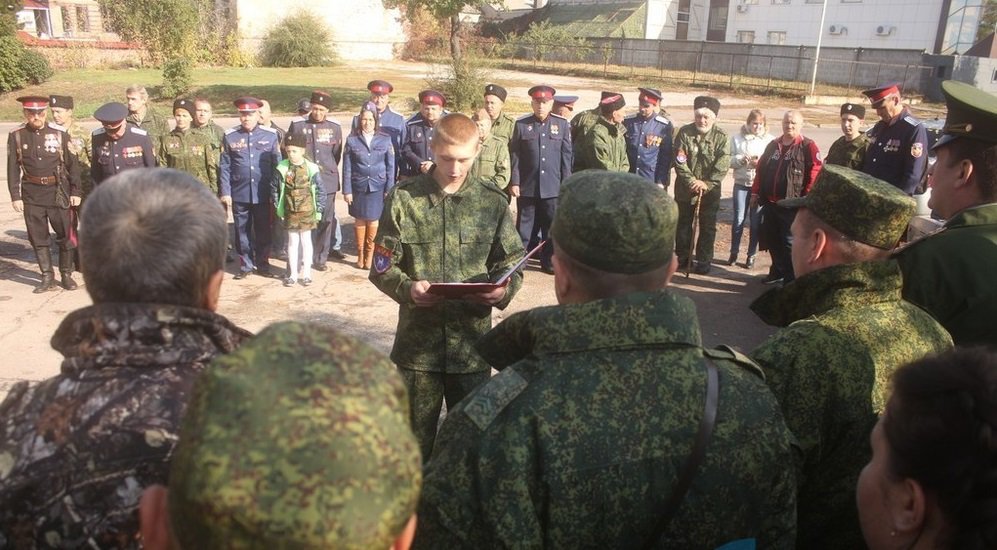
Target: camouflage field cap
(299, 439)
(615, 222)
(862, 207)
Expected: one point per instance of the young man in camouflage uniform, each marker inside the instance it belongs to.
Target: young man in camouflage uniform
(846, 331)
(289, 478)
(204, 124)
(444, 227)
(605, 145)
(580, 439)
(80, 139)
(187, 150)
(702, 157)
(77, 449)
(849, 149)
(502, 124)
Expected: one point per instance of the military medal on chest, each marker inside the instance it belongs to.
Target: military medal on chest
(554, 129)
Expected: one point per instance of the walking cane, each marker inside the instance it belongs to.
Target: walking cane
(695, 234)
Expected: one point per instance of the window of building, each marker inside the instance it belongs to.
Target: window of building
(682, 17)
(746, 37)
(781, 2)
(82, 19)
(851, 1)
(718, 18)
(67, 20)
(813, 1)
(749, 2)
(993, 78)
(777, 37)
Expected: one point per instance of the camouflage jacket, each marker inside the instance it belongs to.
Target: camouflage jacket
(77, 450)
(699, 156)
(850, 154)
(493, 161)
(604, 148)
(191, 152)
(155, 124)
(848, 330)
(578, 441)
(80, 144)
(426, 234)
(215, 132)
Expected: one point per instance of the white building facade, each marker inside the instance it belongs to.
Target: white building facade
(935, 26)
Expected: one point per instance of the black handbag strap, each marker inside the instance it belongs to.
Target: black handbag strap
(706, 425)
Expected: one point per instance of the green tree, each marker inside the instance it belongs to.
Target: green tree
(8, 16)
(167, 29)
(299, 40)
(543, 39)
(442, 10)
(988, 20)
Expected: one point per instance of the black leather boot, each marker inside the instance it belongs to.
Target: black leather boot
(48, 276)
(66, 269)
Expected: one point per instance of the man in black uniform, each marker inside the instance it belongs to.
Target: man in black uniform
(43, 177)
(323, 146)
(417, 149)
(118, 146)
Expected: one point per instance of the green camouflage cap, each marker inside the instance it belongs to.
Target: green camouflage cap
(615, 222)
(299, 439)
(862, 207)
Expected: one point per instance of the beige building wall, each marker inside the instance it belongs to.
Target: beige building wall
(361, 29)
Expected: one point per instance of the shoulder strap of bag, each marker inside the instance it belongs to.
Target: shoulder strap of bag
(706, 425)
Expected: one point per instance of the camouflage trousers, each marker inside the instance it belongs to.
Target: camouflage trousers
(426, 391)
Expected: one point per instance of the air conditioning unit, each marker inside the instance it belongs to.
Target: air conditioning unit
(742, 8)
(837, 29)
(885, 30)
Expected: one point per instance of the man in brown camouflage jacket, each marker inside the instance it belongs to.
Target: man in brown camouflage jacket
(76, 450)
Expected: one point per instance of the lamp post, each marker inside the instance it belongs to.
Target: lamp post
(820, 36)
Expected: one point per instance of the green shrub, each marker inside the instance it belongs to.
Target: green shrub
(178, 78)
(461, 82)
(35, 66)
(12, 74)
(300, 40)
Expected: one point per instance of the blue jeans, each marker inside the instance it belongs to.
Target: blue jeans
(742, 196)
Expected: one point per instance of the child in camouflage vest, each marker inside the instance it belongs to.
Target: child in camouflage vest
(299, 199)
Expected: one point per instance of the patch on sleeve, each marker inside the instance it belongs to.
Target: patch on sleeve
(494, 396)
(916, 150)
(681, 157)
(382, 259)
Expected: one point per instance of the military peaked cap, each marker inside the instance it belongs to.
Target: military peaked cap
(972, 114)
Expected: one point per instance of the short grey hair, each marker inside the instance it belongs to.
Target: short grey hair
(137, 89)
(151, 235)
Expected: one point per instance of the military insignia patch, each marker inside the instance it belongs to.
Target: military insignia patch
(554, 130)
(494, 396)
(382, 259)
(917, 150)
(680, 157)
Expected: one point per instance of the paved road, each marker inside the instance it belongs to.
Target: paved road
(342, 297)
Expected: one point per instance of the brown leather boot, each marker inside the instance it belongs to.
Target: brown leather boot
(360, 229)
(371, 233)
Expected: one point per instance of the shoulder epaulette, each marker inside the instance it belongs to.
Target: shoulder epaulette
(524, 117)
(98, 131)
(232, 129)
(334, 122)
(558, 116)
(660, 118)
(490, 185)
(493, 397)
(298, 119)
(909, 119)
(390, 110)
(730, 354)
(55, 126)
(19, 126)
(268, 129)
(909, 244)
(631, 117)
(137, 130)
(411, 122)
